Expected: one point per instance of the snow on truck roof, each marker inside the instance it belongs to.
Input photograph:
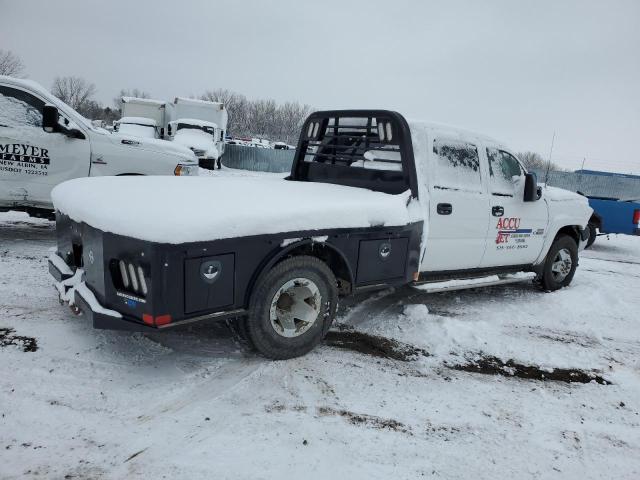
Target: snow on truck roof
(450, 131)
(273, 206)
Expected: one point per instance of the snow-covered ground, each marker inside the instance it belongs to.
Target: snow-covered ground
(412, 385)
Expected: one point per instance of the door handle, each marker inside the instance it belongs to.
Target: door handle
(444, 209)
(497, 211)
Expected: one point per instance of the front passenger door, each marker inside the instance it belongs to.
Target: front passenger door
(33, 161)
(516, 228)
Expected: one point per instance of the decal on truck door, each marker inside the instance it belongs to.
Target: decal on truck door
(509, 231)
(20, 158)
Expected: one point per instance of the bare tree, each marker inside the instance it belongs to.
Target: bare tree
(260, 117)
(74, 91)
(10, 64)
(236, 105)
(291, 116)
(134, 92)
(535, 161)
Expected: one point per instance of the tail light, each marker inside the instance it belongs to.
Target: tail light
(636, 217)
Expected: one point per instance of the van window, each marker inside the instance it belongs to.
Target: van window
(457, 166)
(505, 172)
(19, 108)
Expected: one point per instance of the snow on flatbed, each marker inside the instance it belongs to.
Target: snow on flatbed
(210, 208)
(82, 403)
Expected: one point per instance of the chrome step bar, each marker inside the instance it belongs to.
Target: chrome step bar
(479, 282)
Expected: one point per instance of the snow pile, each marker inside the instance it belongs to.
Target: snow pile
(169, 209)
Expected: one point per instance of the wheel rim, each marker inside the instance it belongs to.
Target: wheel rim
(295, 307)
(561, 266)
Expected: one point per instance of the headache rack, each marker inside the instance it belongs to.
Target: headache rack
(360, 148)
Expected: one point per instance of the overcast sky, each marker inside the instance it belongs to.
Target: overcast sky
(516, 70)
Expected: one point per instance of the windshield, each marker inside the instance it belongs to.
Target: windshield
(204, 128)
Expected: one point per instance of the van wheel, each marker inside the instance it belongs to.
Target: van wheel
(592, 235)
(560, 264)
(292, 308)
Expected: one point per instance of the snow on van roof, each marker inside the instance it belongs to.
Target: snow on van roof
(147, 101)
(195, 121)
(153, 208)
(196, 101)
(138, 121)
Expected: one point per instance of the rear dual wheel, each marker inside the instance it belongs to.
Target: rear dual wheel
(291, 308)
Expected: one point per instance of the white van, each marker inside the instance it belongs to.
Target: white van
(44, 142)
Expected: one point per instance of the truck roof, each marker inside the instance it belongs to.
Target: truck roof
(451, 131)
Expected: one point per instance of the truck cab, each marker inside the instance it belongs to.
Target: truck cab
(44, 142)
(137, 127)
(372, 201)
(200, 136)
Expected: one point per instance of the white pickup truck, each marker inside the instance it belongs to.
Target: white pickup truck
(44, 142)
(372, 201)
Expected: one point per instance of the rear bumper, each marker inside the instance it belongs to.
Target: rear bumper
(72, 289)
(102, 318)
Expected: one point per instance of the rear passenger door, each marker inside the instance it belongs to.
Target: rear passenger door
(458, 206)
(517, 228)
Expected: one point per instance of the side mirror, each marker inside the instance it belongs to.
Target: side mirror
(50, 117)
(531, 190)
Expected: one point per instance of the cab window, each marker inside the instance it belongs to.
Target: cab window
(19, 108)
(457, 166)
(505, 172)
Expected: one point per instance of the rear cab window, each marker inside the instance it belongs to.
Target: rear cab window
(456, 166)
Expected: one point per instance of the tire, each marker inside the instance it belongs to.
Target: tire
(557, 273)
(291, 308)
(592, 235)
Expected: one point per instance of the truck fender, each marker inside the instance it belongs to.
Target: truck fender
(306, 246)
